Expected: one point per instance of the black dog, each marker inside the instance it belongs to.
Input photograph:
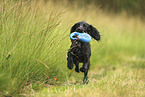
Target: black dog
(80, 51)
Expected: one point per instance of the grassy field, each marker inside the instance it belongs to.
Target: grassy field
(35, 39)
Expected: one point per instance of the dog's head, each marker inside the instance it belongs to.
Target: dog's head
(85, 27)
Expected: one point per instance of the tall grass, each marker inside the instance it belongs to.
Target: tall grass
(29, 42)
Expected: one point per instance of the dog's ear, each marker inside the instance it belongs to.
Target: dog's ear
(93, 32)
(73, 28)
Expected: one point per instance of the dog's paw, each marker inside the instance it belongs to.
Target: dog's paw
(82, 69)
(70, 66)
(77, 70)
(85, 81)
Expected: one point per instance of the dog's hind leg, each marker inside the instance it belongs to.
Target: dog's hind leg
(85, 69)
(85, 80)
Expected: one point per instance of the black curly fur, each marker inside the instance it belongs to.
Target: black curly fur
(81, 51)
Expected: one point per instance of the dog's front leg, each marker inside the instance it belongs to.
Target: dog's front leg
(77, 66)
(70, 63)
(86, 65)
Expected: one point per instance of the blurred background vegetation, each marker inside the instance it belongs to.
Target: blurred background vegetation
(131, 7)
(35, 39)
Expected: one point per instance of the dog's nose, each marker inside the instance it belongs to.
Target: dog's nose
(79, 29)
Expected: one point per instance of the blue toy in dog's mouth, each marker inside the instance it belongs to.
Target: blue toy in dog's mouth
(83, 37)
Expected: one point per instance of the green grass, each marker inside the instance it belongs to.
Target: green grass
(28, 39)
(34, 44)
(121, 82)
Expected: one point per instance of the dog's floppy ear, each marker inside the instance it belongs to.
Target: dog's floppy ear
(93, 32)
(73, 28)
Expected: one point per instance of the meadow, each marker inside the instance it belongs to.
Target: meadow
(35, 39)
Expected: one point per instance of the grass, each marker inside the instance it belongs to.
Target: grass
(27, 39)
(34, 42)
(114, 83)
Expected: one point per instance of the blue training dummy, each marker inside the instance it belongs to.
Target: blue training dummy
(83, 37)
